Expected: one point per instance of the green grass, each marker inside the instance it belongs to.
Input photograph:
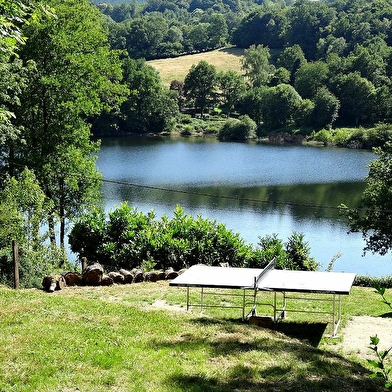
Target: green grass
(112, 339)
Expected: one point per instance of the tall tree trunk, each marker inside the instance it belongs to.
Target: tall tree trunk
(52, 233)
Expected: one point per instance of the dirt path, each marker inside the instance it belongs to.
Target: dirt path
(357, 332)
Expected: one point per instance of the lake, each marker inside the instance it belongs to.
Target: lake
(254, 189)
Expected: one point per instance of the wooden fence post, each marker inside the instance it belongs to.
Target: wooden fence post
(15, 259)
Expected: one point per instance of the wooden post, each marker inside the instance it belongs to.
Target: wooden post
(15, 259)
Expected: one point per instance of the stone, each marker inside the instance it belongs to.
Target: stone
(73, 278)
(92, 274)
(116, 276)
(53, 282)
(128, 277)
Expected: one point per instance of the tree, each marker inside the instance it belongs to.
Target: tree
(256, 65)
(149, 105)
(231, 87)
(145, 35)
(326, 109)
(23, 212)
(200, 85)
(357, 96)
(373, 217)
(310, 77)
(281, 106)
(217, 31)
(307, 23)
(265, 26)
(13, 15)
(75, 76)
(292, 58)
(255, 102)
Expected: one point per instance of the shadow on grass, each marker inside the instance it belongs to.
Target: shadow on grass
(268, 361)
(386, 315)
(234, 51)
(308, 332)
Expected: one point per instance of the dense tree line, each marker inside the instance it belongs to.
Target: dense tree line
(308, 64)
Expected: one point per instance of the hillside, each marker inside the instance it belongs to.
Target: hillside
(176, 68)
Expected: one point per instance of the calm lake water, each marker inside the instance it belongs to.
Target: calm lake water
(254, 189)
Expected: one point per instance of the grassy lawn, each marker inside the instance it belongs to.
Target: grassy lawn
(117, 339)
(177, 68)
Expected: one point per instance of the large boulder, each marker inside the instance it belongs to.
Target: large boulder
(92, 274)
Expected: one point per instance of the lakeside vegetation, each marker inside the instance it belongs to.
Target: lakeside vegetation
(117, 338)
(71, 70)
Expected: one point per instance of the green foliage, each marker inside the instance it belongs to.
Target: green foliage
(381, 291)
(257, 66)
(149, 106)
(373, 215)
(367, 281)
(73, 76)
(23, 212)
(200, 85)
(292, 255)
(242, 129)
(298, 254)
(128, 238)
(380, 363)
(271, 247)
(324, 136)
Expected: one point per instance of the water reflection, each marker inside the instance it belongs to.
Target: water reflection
(254, 189)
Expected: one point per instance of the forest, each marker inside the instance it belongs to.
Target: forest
(318, 64)
(72, 71)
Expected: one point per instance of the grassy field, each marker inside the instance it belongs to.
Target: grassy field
(139, 338)
(176, 68)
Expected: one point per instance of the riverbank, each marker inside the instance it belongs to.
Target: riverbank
(348, 137)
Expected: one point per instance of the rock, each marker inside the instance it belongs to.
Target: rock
(106, 280)
(92, 274)
(171, 274)
(53, 282)
(161, 275)
(128, 277)
(116, 276)
(151, 276)
(138, 276)
(73, 279)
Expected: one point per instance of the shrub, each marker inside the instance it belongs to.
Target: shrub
(323, 136)
(128, 238)
(242, 129)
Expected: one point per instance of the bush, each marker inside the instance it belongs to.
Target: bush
(323, 136)
(128, 238)
(293, 255)
(242, 129)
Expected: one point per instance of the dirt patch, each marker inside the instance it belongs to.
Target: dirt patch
(162, 304)
(357, 332)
